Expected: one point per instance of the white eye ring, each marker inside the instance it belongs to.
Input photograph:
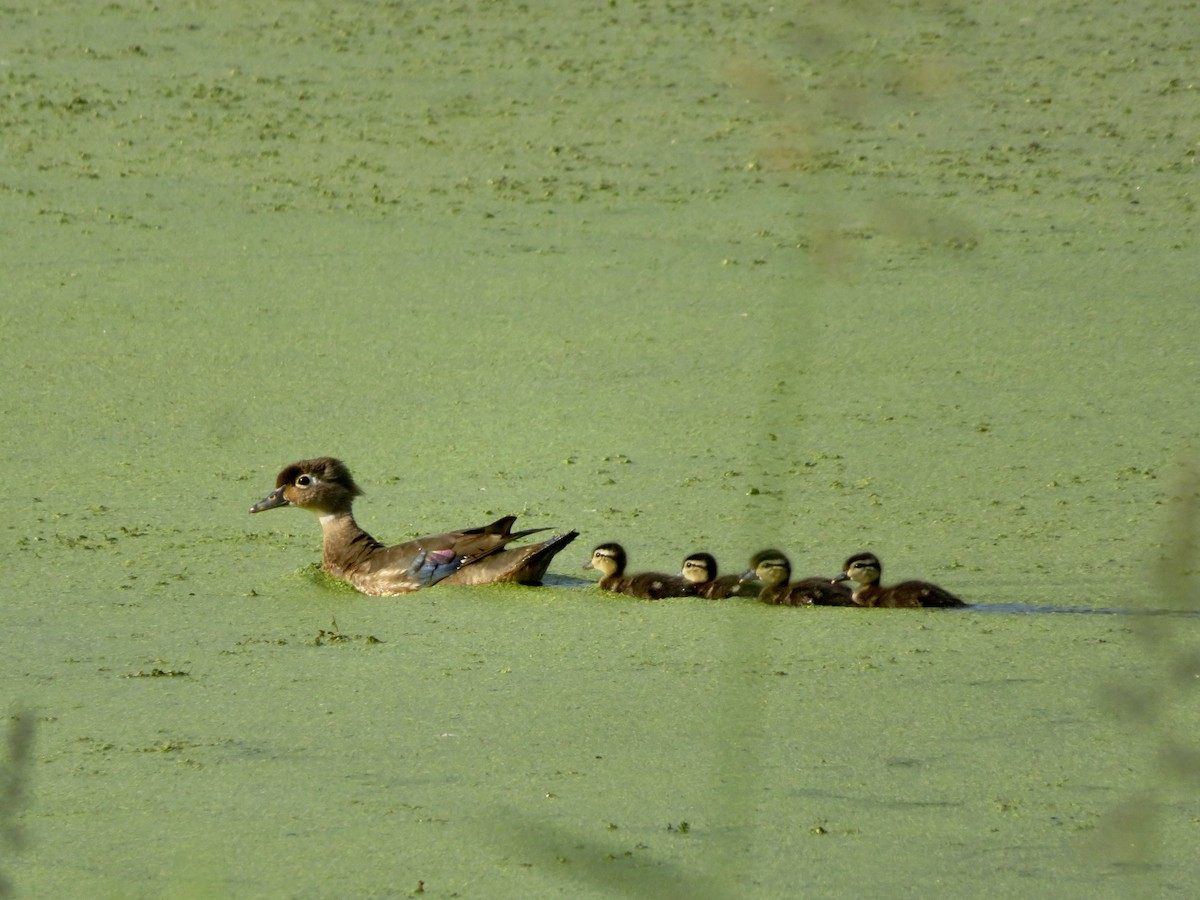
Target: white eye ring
(304, 481)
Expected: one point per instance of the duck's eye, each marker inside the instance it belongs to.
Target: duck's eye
(304, 481)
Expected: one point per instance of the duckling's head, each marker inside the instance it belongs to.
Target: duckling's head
(770, 567)
(608, 559)
(861, 568)
(322, 485)
(699, 568)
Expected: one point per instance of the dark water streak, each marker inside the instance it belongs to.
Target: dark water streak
(1025, 609)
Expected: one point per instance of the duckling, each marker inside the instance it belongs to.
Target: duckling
(610, 560)
(865, 570)
(325, 488)
(701, 570)
(772, 569)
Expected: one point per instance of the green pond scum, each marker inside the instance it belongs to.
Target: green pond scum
(916, 279)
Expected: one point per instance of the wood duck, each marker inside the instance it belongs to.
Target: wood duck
(865, 569)
(772, 569)
(609, 560)
(480, 555)
(701, 570)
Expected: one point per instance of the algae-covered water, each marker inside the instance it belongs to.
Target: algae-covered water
(914, 278)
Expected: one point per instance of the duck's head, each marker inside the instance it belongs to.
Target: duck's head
(699, 568)
(862, 569)
(608, 559)
(770, 567)
(322, 485)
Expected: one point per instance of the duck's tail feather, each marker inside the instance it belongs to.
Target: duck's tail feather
(534, 567)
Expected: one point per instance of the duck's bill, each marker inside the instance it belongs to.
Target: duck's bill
(840, 578)
(272, 500)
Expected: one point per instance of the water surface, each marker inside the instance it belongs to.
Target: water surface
(700, 276)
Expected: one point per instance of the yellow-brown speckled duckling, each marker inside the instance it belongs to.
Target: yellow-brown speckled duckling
(865, 570)
(701, 570)
(772, 569)
(325, 488)
(610, 561)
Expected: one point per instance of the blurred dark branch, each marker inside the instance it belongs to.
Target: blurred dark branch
(14, 785)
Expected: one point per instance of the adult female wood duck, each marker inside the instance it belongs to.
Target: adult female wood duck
(701, 570)
(610, 560)
(772, 569)
(324, 487)
(865, 570)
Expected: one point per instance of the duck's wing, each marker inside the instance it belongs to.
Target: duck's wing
(403, 574)
(470, 543)
(655, 586)
(826, 593)
(816, 592)
(431, 566)
(523, 565)
(474, 542)
(726, 586)
(922, 594)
